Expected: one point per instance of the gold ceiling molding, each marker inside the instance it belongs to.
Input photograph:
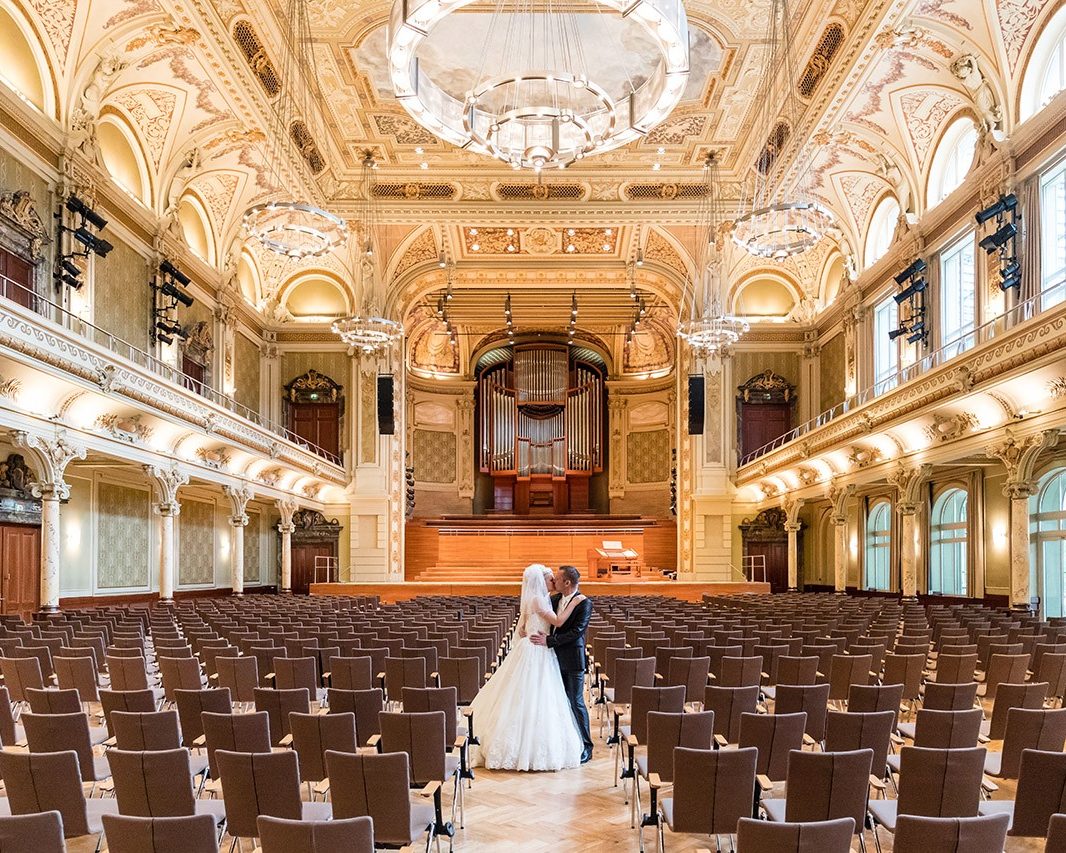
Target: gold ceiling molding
(515, 191)
(416, 191)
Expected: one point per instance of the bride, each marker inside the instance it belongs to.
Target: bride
(523, 717)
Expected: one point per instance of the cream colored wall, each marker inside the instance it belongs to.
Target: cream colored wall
(996, 532)
(76, 533)
(246, 368)
(332, 364)
(122, 299)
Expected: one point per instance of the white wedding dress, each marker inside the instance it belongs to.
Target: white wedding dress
(522, 716)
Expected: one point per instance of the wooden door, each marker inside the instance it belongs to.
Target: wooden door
(16, 271)
(776, 555)
(20, 568)
(303, 563)
(761, 423)
(195, 373)
(318, 423)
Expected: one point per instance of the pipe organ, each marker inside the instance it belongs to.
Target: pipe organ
(541, 427)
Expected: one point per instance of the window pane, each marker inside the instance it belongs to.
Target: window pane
(958, 296)
(1053, 242)
(886, 352)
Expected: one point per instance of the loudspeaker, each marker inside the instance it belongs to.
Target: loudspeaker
(696, 405)
(386, 425)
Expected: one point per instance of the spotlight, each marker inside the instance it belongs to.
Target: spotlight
(77, 206)
(1002, 205)
(168, 269)
(97, 245)
(164, 339)
(999, 238)
(70, 281)
(640, 257)
(1010, 276)
(442, 260)
(896, 333)
(915, 287)
(917, 333)
(70, 268)
(917, 266)
(173, 292)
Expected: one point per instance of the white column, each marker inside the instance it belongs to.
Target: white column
(840, 554)
(165, 484)
(793, 528)
(286, 528)
(52, 457)
(1021, 594)
(908, 547)
(239, 498)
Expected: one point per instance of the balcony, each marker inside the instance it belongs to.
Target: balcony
(47, 335)
(1023, 339)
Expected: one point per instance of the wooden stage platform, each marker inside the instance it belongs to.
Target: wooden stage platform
(498, 547)
(393, 592)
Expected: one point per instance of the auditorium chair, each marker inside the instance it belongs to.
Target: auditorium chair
(43, 782)
(617, 690)
(665, 732)
(633, 728)
(692, 673)
(717, 653)
(66, 732)
(192, 703)
(1031, 694)
(1003, 669)
(760, 836)
(20, 674)
(741, 671)
(971, 834)
(349, 673)
(240, 676)
(774, 736)
(179, 673)
(193, 834)
(312, 735)
(78, 673)
(236, 733)
(32, 833)
(851, 730)
(401, 672)
(377, 786)
(729, 705)
(294, 673)
(1026, 729)
(810, 698)
(148, 784)
(277, 835)
(124, 700)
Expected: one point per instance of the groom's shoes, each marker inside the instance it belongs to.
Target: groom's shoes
(586, 756)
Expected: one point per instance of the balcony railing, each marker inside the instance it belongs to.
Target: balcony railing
(982, 334)
(60, 316)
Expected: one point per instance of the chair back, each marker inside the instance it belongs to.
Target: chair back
(955, 669)
(192, 834)
(810, 698)
(713, 789)
(1005, 669)
(401, 672)
(155, 730)
(422, 737)
(78, 673)
(861, 730)
(630, 673)
(20, 674)
(7, 719)
(192, 703)
(647, 699)
(1031, 694)
(775, 736)
(152, 784)
(258, 783)
(1052, 669)
(235, 733)
(940, 782)
(366, 705)
(1031, 729)
(846, 670)
(824, 836)
(797, 669)
(240, 676)
(741, 672)
(53, 701)
(279, 704)
(941, 696)
(374, 786)
(294, 673)
(729, 705)
(32, 833)
(906, 670)
(277, 835)
(464, 674)
(828, 785)
(179, 674)
(46, 782)
(313, 734)
(667, 731)
(986, 834)
(420, 700)
(59, 733)
(127, 673)
(351, 673)
(1041, 792)
(947, 729)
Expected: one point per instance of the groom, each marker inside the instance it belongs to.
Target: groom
(568, 640)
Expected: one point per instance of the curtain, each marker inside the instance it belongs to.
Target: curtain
(932, 307)
(1029, 253)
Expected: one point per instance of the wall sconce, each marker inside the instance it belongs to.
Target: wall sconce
(999, 535)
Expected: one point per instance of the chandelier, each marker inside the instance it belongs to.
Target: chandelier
(551, 83)
(368, 330)
(781, 218)
(708, 329)
(293, 227)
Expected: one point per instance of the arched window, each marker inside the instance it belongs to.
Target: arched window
(123, 157)
(881, 231)
(878, 562)
(1045, 74)
(949, 536)
(1047, 529)
(952, 160)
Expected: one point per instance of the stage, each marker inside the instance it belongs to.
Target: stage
(491, 548)
(390, 593)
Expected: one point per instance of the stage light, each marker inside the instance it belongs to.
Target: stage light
(76, 206)
(70, 281)
(1002, 205)
(896, 333)
(999, 238)
(164, 339)
(173, 292)
(70, 268)
(168, 269)
(97, 245)
(917, 266)
(914, 288)
(1010, 275)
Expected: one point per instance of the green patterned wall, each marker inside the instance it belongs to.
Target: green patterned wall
(833, 372)
(122, 537)
(748, 364)
(332, 364)
(434, 456)
(246, 371)
(15, 175)
(122, 301)
(252, 546)
(196, 543)
(648, 456)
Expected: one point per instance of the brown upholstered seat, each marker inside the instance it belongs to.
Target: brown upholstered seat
(422, 737)
(811, 698)
(278, 704)
(853, 730)
(313, 734)
(775, 736)
(957, 834)
(828, 836)
(666, 732)
(32, 833)
(235, 732)
(1027, 729)
(148, 784)
(933, 783)
(729, 705)
(192, 703)
(277, 835)
(240, 676)
(62, 732)
(192, 834)
(351, 673)
(824, 786)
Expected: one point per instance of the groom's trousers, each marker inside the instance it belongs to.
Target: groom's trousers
(574, 685)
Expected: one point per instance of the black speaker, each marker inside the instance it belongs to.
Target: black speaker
(696, 405)
(386, 424)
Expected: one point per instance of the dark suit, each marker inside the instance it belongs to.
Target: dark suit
(568, 640)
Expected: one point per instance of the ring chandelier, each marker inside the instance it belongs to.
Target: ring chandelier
(540, 107)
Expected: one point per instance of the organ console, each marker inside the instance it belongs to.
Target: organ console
(541, 425)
